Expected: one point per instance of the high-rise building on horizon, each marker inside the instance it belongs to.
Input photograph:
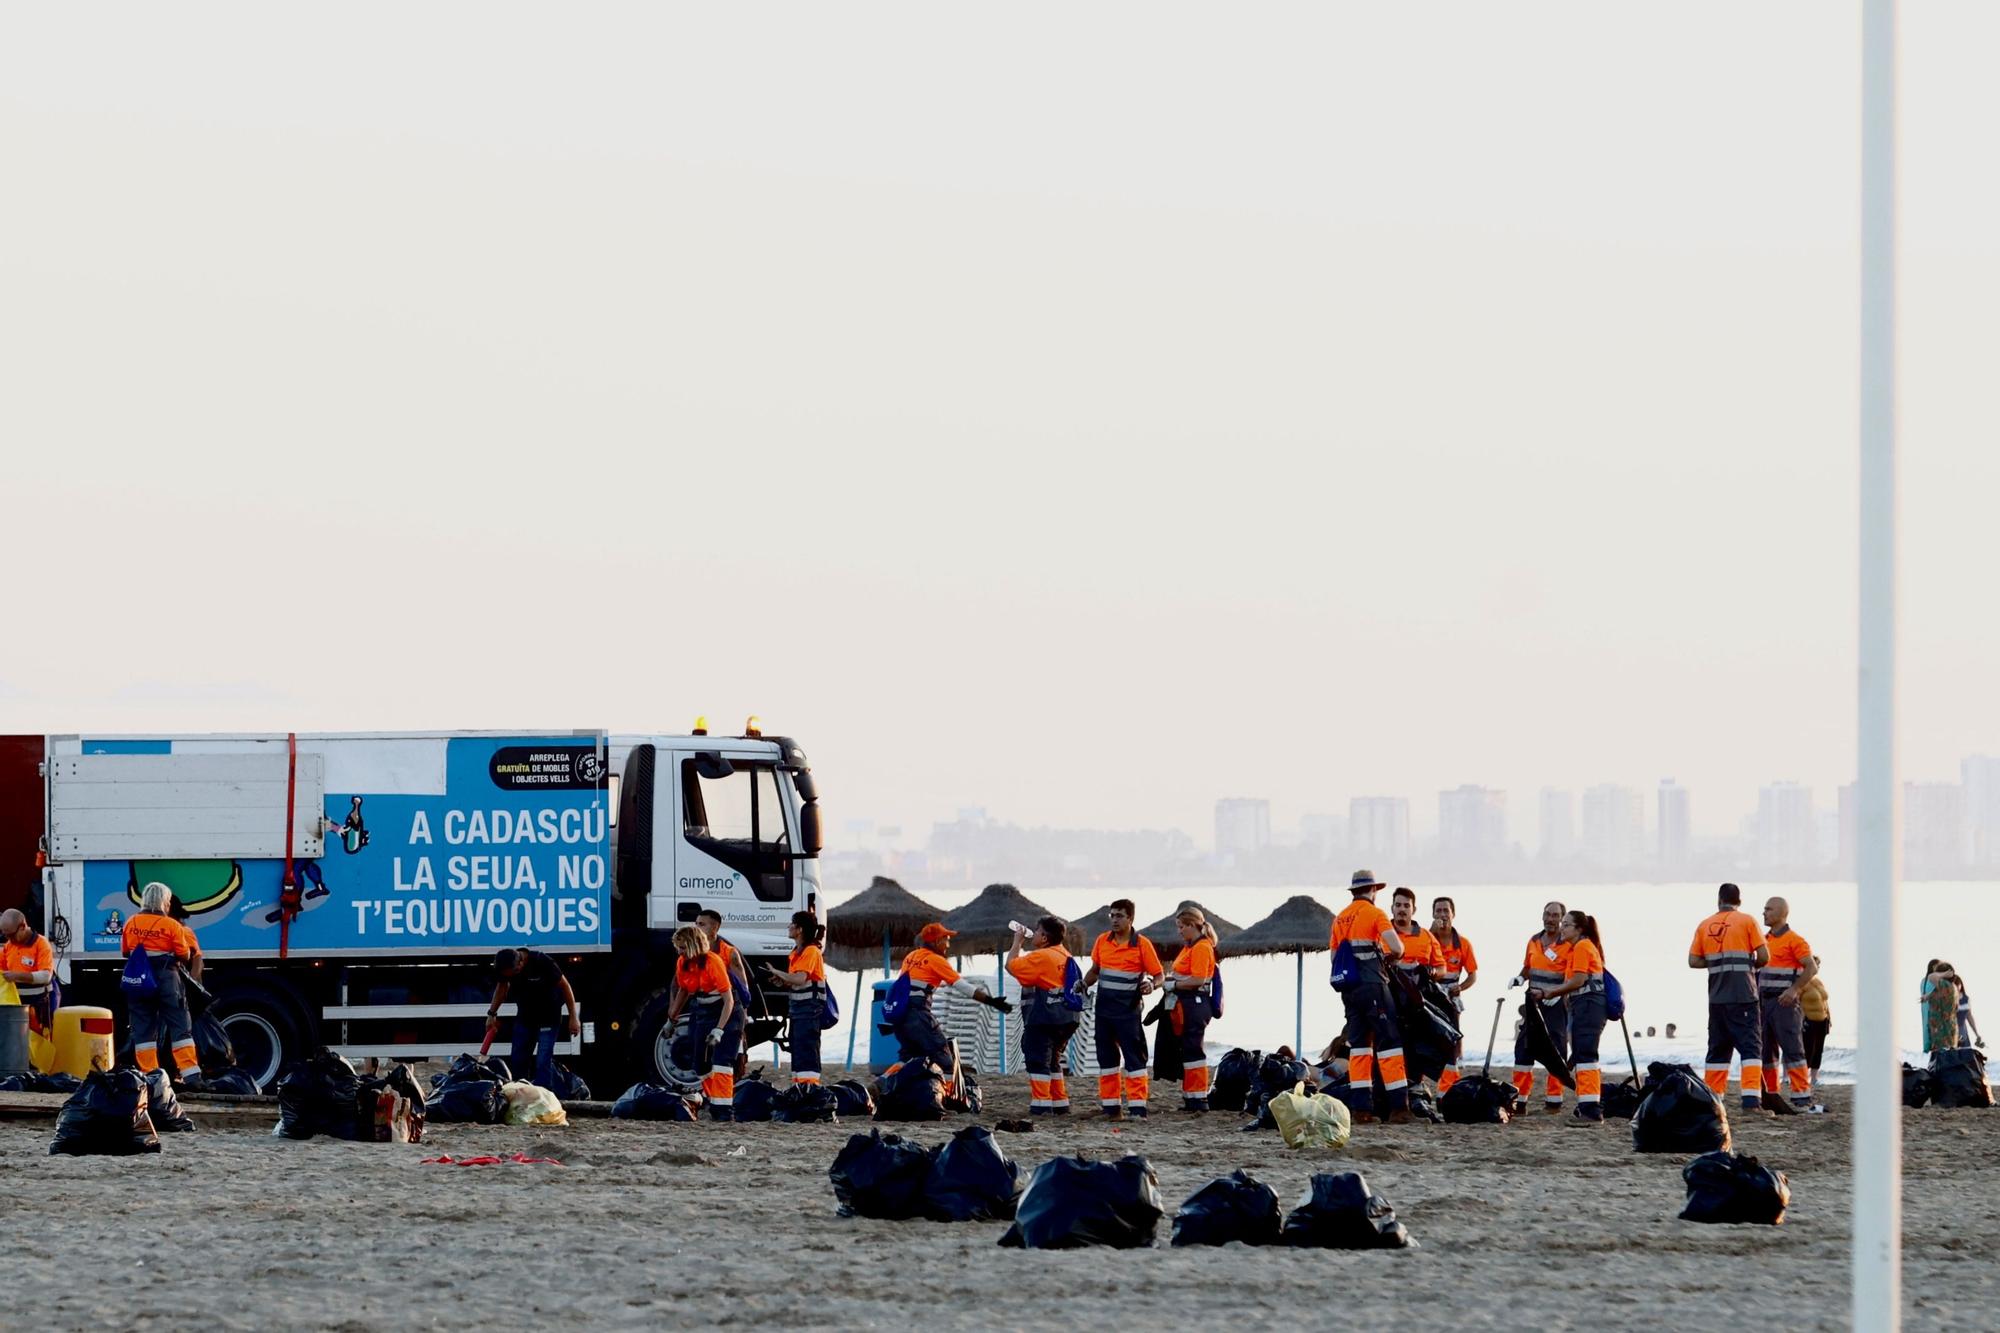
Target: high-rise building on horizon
(1378, 829)
(1786, 830)
(1981, 775)
(1472, 822)
(1676, 824)
(1242, 827)
(1558, 825)
(1322, 835)
(1614, 825)
(1935, 840)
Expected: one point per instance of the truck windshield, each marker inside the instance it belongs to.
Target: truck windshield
(740, 821)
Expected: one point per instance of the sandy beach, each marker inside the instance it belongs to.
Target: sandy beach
(648, 1226)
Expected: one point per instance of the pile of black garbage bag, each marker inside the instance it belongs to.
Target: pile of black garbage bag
(651, 1101)
(1235, 1075)
(1275, 1074)
(1072, 1202)
(1730, 1187)
(1479, 1099)
(913, 1094)
(969, 1179)
(1337, 1211)
(108, 1115)
(33, 1082)
(325, 1095)
(1677, 1113)
(1956, 1078)
(466, 1093)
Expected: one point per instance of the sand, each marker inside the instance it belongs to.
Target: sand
(1535, 1224)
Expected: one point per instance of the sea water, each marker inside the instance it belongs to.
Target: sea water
(1646, 929)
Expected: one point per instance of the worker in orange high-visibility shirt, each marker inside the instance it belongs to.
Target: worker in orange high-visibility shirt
(1780, 982)
(1047, 1023)
(710, 922)
(805, 978)
(1421, 953)
(918, 1033)
(1124, 967)
(1190, 1002)
(1730, 948)
(1582, 990)
(1461, 969)
(1373, 1037)
(1547, 960)
(715, 1021)
(168, 946)
(27, 960)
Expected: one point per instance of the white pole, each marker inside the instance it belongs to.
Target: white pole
(1878, 1105)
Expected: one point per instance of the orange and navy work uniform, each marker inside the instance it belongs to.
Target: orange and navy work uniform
(918, 1032)
(1193, 1000)
(1784, 1025)
(1046, 1025)
(38, 960)
(1586, 1020)
(1459, 961)
(1546, 964)
(726, 951)
(706, 983)
(163, 1015)
(1727, 943)
(1123, 1074)
(808, 1010)
(1421, 952)
(1373, 1037)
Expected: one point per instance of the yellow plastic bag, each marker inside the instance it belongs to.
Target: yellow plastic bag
(528, 1104)
(1311, 1119)
(41, 1052)
(8, 993)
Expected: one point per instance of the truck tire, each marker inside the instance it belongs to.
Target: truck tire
(266, 1029)
(650, 1039)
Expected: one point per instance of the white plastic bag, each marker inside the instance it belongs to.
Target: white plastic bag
(528, 1104)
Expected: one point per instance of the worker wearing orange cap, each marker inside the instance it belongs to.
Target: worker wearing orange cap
(1364, 941)
(917, 1031)
(1124, 967)
(1730, 948)
(1047, 1022)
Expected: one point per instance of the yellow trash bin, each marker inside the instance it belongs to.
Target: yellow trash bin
(82, 1039)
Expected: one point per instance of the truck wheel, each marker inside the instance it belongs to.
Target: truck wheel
(265, 1031)
(651, 1037)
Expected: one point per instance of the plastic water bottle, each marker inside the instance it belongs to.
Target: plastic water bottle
(1017, 926)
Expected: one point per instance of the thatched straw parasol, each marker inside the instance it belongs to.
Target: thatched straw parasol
(981, 924)
(1166, 932)
(1299, 926)
(882, 918)
(1083, 931)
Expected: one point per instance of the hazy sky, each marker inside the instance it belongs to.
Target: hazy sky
(1081, 411)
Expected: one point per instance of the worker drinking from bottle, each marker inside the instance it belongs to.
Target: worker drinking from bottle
(1047, 1019)
(703, 989)
(1124, 967)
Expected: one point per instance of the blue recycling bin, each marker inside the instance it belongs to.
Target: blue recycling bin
(882, 1047)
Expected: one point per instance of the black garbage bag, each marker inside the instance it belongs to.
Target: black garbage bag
(472, 1068)
(972, 1179)
(805, 1104)
(1167, 1063)
(1621, 1100)
(568, 1087)
(753, 1100)
(650, 1101)
(1730, 1187)
(969, 1098)
(1541, 1047)
(106, 1116)
(1677, 1113)
(1229, 1090)
(852, 1099)
(1339, 1212)
(1478, 1100)
(1424, 1106)
(1958, 1078)
(881, 1175)
(318, 1097)
(1429, 1025)
(913, 1093)
(163, 1106)
(31, 1082)
(232, 1083)
(212, 1045)
(368, 1121)
(1072, 1202)
(1917, 1086)
(1237, 1206)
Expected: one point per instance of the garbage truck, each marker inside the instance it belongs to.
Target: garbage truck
(349, 890)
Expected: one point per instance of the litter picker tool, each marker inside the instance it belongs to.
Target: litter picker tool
(1499, 1003)
(1637, 1082)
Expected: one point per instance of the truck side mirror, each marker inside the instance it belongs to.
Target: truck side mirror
(809, 834)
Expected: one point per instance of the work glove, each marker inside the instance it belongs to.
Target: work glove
(711, 1041)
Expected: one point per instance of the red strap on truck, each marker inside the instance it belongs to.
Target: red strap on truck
(289, 899)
